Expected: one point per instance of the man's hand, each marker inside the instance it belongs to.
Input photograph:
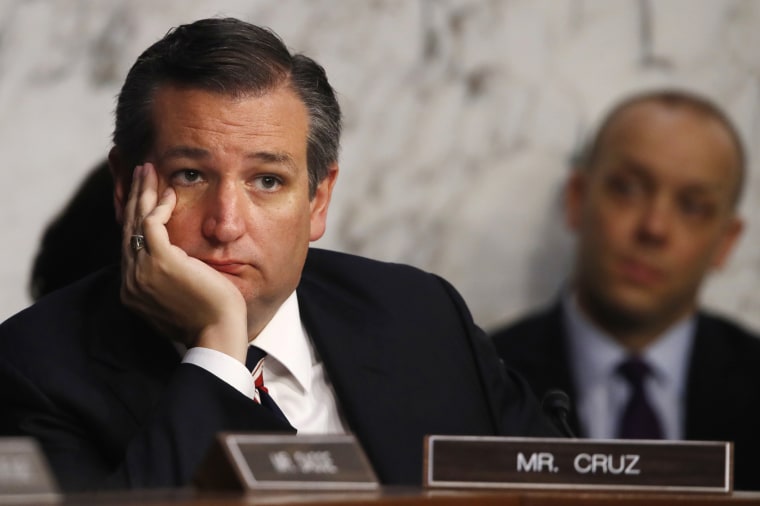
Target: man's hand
(179, 294)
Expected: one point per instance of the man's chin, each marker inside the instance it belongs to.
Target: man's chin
(634, 304)
(624, 307)
(643, 310)
(254, 295)
(244, 287)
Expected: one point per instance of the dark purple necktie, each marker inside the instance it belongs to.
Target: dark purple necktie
(638, 420)
(254, 361)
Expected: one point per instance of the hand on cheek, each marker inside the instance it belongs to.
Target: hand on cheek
(179, 294)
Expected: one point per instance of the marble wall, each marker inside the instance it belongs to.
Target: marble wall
(461, 117)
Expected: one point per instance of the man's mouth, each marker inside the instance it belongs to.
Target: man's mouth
(640, 273)
(227, 267)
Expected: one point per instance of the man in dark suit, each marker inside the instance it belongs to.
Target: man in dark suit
(653, 205)
(224, 161)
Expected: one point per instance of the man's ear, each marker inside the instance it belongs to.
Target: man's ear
(728, 242)
(574, 194)
(121, 183)
(321, 202)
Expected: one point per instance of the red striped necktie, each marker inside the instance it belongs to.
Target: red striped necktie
(255, 363)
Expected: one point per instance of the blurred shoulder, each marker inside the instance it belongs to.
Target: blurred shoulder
(542, 321)
(721, 331)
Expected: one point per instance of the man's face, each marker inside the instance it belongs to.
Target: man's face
(653, 214)
(238, 167)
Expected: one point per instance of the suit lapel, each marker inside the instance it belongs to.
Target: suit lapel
(713, 390)
(348, 340)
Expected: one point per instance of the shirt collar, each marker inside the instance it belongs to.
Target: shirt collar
(668, 356)
(284, 339)
(594, 354)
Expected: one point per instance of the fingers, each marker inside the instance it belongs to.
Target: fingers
(147, 196)
(143, 232)
(128, 227)
(155, 213)
(145, 215)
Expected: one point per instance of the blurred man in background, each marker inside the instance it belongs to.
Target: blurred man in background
(653, 204)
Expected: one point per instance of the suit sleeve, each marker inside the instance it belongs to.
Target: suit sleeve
(515, 409)
(166, 450)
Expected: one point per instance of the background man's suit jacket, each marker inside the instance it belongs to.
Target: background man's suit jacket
(113, 407)
(723, 389)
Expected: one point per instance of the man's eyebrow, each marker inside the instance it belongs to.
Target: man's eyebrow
(276, 157)
(184, 152)
(697, 187)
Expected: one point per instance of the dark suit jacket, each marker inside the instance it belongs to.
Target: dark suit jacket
(112, 405)
(723, 390)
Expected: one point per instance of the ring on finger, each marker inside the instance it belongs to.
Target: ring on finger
(137, 242)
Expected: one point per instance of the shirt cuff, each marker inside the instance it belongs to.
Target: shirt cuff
(223, 367)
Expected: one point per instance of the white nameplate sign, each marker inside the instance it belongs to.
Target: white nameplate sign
(24, 473)
(585, 464)
(248, 461)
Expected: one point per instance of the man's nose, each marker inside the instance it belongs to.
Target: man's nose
(656, 219)
(224, 221)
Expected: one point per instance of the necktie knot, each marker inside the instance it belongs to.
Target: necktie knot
(635, 371)
(254, 361)
(254, 357)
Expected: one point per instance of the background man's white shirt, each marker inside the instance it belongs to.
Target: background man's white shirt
(601, 393)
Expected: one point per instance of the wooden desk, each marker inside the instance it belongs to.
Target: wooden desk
(401, 497)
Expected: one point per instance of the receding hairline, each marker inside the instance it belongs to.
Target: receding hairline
(672, 100)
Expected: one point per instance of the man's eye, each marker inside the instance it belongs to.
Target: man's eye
(268, 183)
(624, 187)
(186, 177)
(696, 208)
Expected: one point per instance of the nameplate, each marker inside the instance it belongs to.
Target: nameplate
(580, 464)
(244, 461)
(24, 473)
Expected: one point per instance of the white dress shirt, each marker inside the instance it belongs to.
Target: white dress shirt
(293, 373)
(601, 393)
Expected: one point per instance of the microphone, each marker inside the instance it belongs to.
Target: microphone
(556, 404)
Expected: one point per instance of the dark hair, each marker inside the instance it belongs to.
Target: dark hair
(230, 57)
(83, 237)
(671, 98)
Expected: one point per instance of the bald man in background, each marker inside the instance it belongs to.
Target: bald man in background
(653, 205)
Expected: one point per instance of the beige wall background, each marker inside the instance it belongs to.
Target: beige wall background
(461, 117)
